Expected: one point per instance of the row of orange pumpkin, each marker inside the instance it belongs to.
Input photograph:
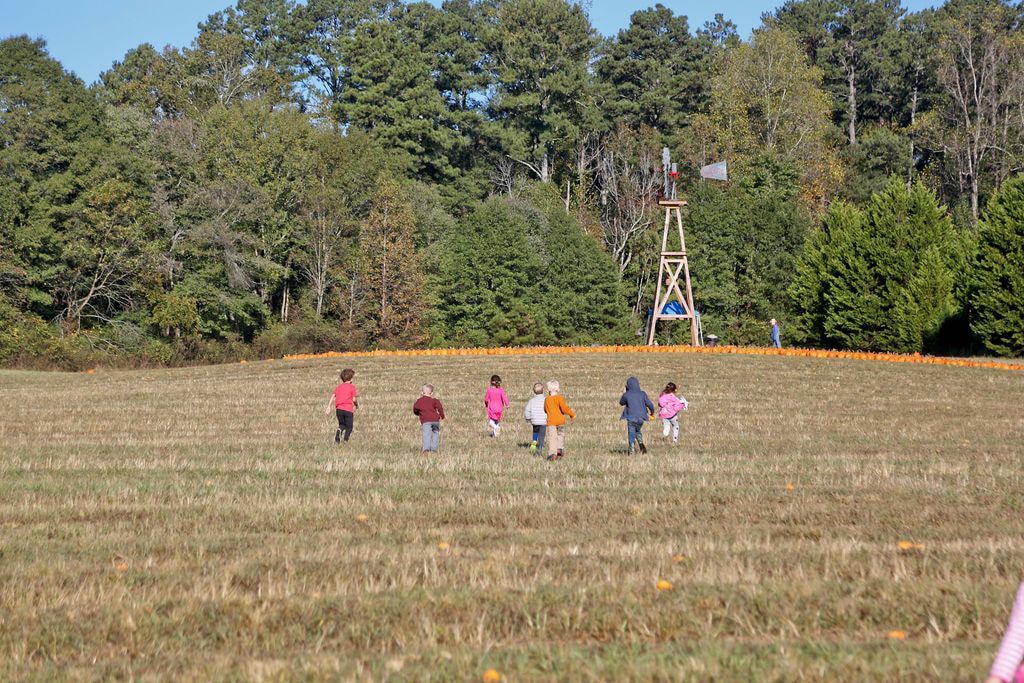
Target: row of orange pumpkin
(744, 350)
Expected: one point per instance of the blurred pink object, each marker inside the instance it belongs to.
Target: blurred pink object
(1007, 666)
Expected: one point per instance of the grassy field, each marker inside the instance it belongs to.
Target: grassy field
(199, 524)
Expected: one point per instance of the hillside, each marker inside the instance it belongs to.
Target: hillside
(195, 523)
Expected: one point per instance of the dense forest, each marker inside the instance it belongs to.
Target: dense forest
(347, 174)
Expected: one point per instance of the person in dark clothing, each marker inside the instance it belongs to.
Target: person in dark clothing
(638, 409)
(431, 412)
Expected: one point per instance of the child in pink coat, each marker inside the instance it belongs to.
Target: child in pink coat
(495, 401)
(1007, 667)
(670, 406)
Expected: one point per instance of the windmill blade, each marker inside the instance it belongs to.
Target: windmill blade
(719, 171)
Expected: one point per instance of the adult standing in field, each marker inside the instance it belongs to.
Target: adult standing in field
(776, 335)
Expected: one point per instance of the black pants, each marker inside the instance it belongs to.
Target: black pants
(345, 421)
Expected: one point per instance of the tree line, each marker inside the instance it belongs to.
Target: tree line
(343, 174)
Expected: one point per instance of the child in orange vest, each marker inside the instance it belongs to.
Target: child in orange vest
(557, 410)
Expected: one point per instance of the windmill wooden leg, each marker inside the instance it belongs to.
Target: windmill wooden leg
(657, 305)
(694, 334)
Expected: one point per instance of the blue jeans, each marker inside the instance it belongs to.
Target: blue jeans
(431, 435)
(538, 435)
(633, 428)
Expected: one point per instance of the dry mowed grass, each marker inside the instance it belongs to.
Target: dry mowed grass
(199, 524)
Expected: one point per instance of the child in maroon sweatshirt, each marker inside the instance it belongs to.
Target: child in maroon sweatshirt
(431, 412)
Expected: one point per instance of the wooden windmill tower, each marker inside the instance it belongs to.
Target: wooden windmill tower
(673, 275)
(673, 298)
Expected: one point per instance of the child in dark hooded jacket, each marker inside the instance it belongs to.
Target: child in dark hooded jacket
(638, 409)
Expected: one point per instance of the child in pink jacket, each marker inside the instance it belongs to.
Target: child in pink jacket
(1007, 667)
(670, 406)
(495, 401)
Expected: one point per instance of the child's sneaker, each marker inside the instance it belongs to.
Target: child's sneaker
(337, 436)
(643, 449)
(533, 447)
(558, 456)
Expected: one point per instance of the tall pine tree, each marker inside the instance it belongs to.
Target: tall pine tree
(997, 287)
(655, 70)
(489, 280)
(882, 281)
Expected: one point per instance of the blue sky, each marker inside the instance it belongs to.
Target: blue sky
(88, 36)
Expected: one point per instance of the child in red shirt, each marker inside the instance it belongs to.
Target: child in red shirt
(343, 400)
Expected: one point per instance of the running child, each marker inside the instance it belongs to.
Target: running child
(538, 419)
(431, 412)
(495, 401)
(556, 410)
(638, 409)
(1007, 667)
(671, 405)
(344, 402)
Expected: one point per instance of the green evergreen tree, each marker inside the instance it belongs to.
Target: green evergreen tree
(742, 244)
(581, 285)
(856, 45)
(883, 281)
(656, 71)
(453, 39)
(913, 79)
(247, 49)
(391, 96)
(878, 154)
(264, 26)
(522, 271)
(997, 286)
(813, 269)
(139, 80)
(490, 281)
(540, 52)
